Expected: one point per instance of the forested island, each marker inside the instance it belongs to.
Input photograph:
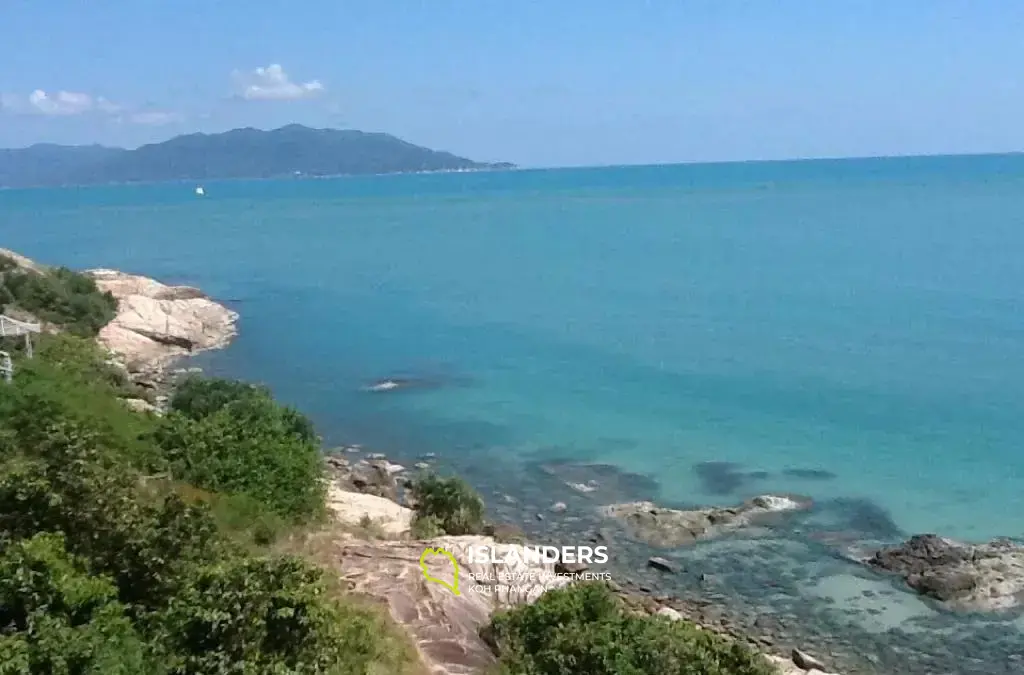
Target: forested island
(290, 151)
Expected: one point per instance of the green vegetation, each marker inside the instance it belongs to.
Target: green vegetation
(239, 153)
(586, 629)
(134, 543)
(57, 296)
(108, 568)
(446, 506)
(236, 439)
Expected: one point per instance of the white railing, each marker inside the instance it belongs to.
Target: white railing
(12, 328)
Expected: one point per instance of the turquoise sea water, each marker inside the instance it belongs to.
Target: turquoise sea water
(860, 322)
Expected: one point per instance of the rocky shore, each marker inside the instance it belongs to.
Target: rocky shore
(372, 549)
(446, 627)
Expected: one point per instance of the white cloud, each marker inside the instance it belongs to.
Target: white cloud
(273, 84)
(57, 104)
(71, 103)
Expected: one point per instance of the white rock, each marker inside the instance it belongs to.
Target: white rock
(352, 507)
(156, 323)
(670, 614)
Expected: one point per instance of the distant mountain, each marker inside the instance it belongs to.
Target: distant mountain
(293, 150)
(46, 164)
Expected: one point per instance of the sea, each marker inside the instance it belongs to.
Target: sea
(848, 330)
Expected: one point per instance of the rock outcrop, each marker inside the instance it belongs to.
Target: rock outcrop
(985, 577)
(157, 323)
(670, 528)
(445, 626)
(354, 508)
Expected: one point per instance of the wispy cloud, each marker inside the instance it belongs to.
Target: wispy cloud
(273, 84)
(57, 104)
(73, 103)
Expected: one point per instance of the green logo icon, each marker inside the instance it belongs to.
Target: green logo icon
(454, 586)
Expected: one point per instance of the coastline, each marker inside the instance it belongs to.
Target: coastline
(182, 321)
(157, 326)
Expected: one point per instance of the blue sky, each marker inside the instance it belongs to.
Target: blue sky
(551, 83)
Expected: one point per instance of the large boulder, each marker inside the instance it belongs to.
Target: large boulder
(982, 577)
(156, 323)
(670, 528)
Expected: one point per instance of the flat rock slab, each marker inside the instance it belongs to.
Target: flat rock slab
(444, 626)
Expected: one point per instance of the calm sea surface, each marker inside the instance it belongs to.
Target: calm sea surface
(849, 330)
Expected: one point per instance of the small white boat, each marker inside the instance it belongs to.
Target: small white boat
(200, 191)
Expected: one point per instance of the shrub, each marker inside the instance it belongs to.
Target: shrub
(250, 449)
(55, 617)
(448, 504)
(59, 296)
(585, 629)
(199, 397)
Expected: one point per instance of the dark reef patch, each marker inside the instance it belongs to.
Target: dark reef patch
(809, 474)
(725, 478)
(863, 517)
(604, 482)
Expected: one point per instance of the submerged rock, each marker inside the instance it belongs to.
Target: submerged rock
(984, 577)
(670, 528)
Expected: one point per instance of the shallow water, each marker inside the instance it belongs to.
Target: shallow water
(852, 331)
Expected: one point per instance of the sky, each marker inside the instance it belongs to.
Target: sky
(537, 83)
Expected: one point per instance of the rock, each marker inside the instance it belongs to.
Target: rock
(983, 577)
(540, 516)
(373, 478)
(422, 466)
(670, 528)
(140, 405)
(446, 628)
(558, 507)
(352, 508)
(806, 661)
(662, 565)
(670, 614)
(583, 487)
(389, 468)
(156, 323)
(376, 455)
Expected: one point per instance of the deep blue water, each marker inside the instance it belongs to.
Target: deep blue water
(863, 319)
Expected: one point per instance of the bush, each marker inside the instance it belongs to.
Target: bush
(585, 629)
(104, 570)
(200, 397)
(250, 448)
(55, 617)
(446, 504)
(59, 296)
